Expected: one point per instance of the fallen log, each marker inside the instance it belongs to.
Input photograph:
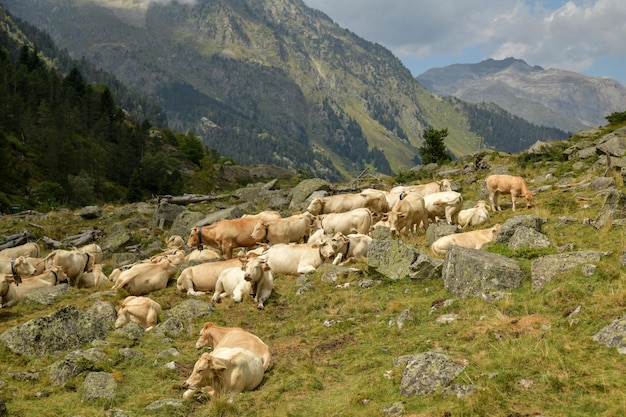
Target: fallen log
(189, 198)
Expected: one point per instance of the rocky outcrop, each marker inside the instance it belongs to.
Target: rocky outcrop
(426, 373)
(544, 269)
(472, 272)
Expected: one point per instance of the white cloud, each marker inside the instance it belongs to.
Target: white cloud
(566, 35)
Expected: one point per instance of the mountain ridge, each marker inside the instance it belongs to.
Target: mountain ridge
(552, 97)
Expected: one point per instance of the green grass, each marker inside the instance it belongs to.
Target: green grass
(346, 369)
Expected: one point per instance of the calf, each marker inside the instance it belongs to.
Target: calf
(472, 240)
(259, 275)
(213, 336)
(475, 216)
(200, 279)
(225, 371)
(141, 310)
(507, 184)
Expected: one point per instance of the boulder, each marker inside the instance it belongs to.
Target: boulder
(426, 373)
(613, 335)
(526, 237)
(544, 269)
(165, 214)
(99, 385)
(437, 230)
(613, 208)
(507, 229)
(301, 192)
(471, 272)
(90, 212)
(394, 259)
(67, 328)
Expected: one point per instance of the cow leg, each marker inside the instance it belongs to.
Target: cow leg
(513, 195)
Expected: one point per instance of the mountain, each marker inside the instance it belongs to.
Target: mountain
(270, 82)
(562, 99)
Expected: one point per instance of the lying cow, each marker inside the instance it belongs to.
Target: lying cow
(225, 371)
(27, 249)
(231, 283)
(8, 298)
(141, 310)
(214, 337)
(351, 247)
(94, 278)
(374, 200)
(95, 252)
(15, 291)
(206, 254)
(423, 189)
(472, 240)
(445, 204)
(507, 184)
(144, 278)
(475, 216)
(19, 267)
(200, 279)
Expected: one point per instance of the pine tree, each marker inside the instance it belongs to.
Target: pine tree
(434, 148)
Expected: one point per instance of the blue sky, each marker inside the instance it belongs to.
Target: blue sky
(585, 36)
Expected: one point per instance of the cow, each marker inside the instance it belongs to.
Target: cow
(8, 297)
(422, 189)
(93, 278)
(206, 254)
(144, 278)
(298, 258)
(199, 279)
(95, 251)
(407, 214)
(351, 247)
(27, 249)
(225, 235)
(175, 242)
(19, 267)
(141, 310)
(49, 278)
(444, 204)
(475, 216)
(473, 240)
(224, 371)
(259, 275)
(354, 221)
(74, 263)
(214, 337)
(507, 184)
(290, 229)
(231, 283)
(375, 200)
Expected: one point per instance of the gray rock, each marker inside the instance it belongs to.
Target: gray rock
(128, 353)
(173, 326)
(184, 222)
(190, 309)
(613, 143)
(165, 215)
(613, 208)
(99, 385)
(544, 269)
(232, 212)
(167, 402)
(539, 148)
(394, 259)
(507, 229)
(613, 335)
(393, 410)
(471, 272)
(525, 237)
(62, 330)
(74, 364)
(46, 295)
(437, 230)
(622, 258)
(601, 183)
(427, 373)
(131, 330)
(301, 192)
(461, 390)
(90, 212)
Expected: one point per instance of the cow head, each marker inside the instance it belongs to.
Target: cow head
(254, 269)
(205, 339)
(194, 239)
(316, 206)
(259, 233)
(207, 374)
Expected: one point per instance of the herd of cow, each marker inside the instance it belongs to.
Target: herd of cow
(336, 228)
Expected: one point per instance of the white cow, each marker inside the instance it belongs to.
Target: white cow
(354, 221)
(407, 214)
(19, 267)
(199, 279)
(225, 371)
(444, 204)
(472, 240)
(260, 277)
(298, 258)
(294, 228)
(351, 247)
(231, 283)
(74, 263)
(94, 278)
(27, 249)
(144, 278)
(475, 216)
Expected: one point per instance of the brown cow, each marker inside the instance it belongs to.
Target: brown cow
(507, 184)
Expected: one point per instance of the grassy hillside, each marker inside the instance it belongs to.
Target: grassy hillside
(334, 347)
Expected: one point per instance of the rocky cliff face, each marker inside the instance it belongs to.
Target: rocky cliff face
(555, 98)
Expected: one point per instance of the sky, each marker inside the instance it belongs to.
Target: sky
(584, 36)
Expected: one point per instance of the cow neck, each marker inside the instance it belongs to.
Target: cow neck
(87, 263)
(200, 246)
(16, 277)
(345, 255)
(56, 277)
